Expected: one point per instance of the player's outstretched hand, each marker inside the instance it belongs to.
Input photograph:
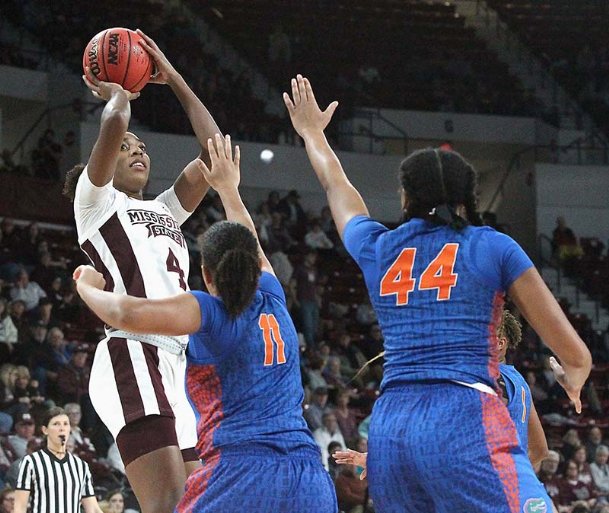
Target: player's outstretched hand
(350, 457)
(87, 275)
(105, 90)
(303, 108)
(224, 172)
(571, 379)
(163, 70)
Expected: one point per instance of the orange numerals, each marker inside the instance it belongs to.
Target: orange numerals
(270, 333)
(439, 275)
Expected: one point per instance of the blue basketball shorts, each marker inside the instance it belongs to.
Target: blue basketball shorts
(234, 482)
(446, 448)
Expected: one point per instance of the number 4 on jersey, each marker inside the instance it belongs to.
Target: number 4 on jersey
(439, 275)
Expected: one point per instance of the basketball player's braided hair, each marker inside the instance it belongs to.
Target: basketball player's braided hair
(436, 182)
(230, 253)
(69, 184)
(510, 329)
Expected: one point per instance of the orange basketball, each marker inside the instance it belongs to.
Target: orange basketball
(114, 55)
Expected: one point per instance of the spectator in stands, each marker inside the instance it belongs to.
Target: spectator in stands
(46, 157)
(69, 309)
(365, 314)
(570, 443)
(215, 211)
(600, 472)
(279, 53)
(8, 332)
(328, 432)
(33, 445)
(27, 291)
(316, 238)
(351, 358)
(25, 429)
(29, 246)
(43, 315)
(7, 500)
(333, 467)
(9, 403)
(564, 242)
(281, 265)
(318, 407)
(593, 441)
(345, 417)
(116, 500)
(293, 213)
(314, 374)
(351, 491)
(332, 373)
(20, 321)
(73, 378)
(49, 359)
(279, 236)
(26, 389)
(11, 242)
(46, 270)
(573, 490)
(583, 467)
(307, 277)
(81, 441)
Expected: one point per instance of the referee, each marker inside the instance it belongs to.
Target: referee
(51, 479)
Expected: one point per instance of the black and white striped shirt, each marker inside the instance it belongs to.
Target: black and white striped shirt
(55, 486)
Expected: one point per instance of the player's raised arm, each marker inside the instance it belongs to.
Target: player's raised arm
(177, 315)
(310, 122)
(224, 176)
(541, 310)
(114, 123)
(190, 186)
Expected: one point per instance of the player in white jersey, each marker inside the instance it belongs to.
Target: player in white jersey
(137, 382)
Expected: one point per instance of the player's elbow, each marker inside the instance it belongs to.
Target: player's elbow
(123, 314)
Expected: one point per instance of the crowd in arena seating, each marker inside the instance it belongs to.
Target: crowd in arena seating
(47, 339)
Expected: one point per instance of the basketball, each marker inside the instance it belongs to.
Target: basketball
(115, 55)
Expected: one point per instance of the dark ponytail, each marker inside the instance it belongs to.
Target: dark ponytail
(230, 253)
(236, 278)
(436, 182)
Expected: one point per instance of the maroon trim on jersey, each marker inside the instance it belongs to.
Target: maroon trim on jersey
(119, 245)
(89, 249)
(126, 384)
(151, 354)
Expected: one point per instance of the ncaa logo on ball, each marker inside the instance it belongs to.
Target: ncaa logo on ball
(535, 506)
(113, 49)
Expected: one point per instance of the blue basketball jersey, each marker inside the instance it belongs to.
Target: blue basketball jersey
(243, 376)
(519, 401)
(438, 294)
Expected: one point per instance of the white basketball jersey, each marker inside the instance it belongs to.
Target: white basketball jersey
(137, 245)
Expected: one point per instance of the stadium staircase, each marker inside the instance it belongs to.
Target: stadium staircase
(575, 124)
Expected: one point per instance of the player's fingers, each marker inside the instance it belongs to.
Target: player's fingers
(148, 40)
(90, 84)
(288, 103)
(329, 112)
(220, 146)
(363, 475)
(201, 166)
(228, 148)
(97, 95)
(237, 160)
(211, 148)
(91, 76)
(77, 272)
(578, 404)
(309, 89)
(301, 88)
(134, 96)
(295, 92)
